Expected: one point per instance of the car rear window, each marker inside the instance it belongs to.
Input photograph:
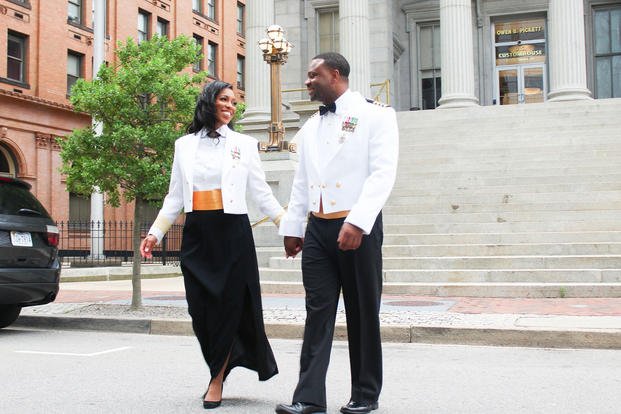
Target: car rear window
(14, 197)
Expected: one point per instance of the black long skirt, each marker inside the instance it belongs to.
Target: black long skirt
(221, 276)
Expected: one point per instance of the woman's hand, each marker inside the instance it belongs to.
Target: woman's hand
(147, 245)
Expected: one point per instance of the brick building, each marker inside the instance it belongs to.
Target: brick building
(48, 44)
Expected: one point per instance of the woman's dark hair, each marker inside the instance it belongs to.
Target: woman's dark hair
(204, 113)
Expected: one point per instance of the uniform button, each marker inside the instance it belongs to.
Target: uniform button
(323, 186)
(338, 185)
(314, 202)
(311, 186)
(332, 202)
(230, 201)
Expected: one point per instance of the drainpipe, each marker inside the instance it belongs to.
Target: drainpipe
(480, 54)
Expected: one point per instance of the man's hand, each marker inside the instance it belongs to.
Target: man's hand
(350, 237)
(293, 245)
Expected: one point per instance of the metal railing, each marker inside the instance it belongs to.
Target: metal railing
(76, 237)
(384, 87)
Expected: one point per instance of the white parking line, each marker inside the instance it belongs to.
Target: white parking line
(75, 354)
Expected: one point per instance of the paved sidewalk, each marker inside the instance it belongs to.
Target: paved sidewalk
(555, 322)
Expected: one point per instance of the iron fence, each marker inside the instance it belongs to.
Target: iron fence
(79, 241)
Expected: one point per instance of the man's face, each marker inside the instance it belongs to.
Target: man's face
(320, 81)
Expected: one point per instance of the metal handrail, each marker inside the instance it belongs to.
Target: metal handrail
(385, 87)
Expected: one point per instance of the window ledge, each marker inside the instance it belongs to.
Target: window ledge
(204, 16)
(25, 4)
(79, 26)
(15, 83)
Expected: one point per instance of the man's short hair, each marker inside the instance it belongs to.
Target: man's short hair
(336, 61)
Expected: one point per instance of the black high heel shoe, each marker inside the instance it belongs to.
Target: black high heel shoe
(208, 405)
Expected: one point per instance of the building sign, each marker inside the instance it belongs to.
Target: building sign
(520, 42)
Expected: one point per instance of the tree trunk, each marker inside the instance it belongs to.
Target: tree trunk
(136, 285)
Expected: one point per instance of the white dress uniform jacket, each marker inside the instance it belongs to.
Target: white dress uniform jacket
(241, 169)
(356, 173)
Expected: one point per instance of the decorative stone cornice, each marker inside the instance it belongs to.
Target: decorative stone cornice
(36, 99)
(45, 141)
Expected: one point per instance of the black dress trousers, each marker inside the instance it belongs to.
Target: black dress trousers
(326, 270)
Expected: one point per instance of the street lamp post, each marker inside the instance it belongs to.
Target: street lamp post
(275, 50)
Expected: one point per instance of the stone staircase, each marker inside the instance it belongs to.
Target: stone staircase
(516, 201)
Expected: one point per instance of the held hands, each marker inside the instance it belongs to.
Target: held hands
(147, 245)
(293, 245)
(350, 237)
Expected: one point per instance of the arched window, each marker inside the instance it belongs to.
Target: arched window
(7, 163)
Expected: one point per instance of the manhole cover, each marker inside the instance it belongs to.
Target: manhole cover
(171, 297)
(413, 303)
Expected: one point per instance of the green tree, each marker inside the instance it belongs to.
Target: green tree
(143, 103)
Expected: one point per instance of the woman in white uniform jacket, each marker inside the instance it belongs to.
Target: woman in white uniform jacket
(212, 168)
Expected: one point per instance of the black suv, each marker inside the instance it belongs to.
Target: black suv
(29, 265)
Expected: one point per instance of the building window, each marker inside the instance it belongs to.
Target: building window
(211, 9)
(143, 25)
(328, 30)
(74, 69)
(240, 71)
(79, 212)
(198, 66)
(162, 27)
(607, 29)
(7, 164)
(212, 50)
(74, 11)
(197, 5)
(429, 65)
(16, 57)
(240, 19)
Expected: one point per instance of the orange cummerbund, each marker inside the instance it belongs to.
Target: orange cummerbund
(207, 200)
(330, 216)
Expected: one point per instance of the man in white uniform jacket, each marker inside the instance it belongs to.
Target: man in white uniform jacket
(348, 155)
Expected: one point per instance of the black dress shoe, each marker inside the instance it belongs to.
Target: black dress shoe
(299, 408)
(208, 405)
(354, 407)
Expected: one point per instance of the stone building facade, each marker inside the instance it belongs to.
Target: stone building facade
(47, 44)
(445, 53)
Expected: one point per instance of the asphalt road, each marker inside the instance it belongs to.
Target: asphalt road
(93, 372)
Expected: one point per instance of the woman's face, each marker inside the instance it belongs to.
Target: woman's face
(225, 107)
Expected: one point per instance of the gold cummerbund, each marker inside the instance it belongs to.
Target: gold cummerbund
(330, 216)
(207, 200)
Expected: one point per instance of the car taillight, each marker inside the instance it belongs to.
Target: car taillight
(52, 236)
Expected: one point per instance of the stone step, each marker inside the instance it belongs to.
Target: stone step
(505, 227)
(410, 144)
(610, 153)
(509, 166)
(471, 275)
(505, 198)
(489, 290)
(264, 254)
(443, 180)
(499, 174)
(406, 187)
(399, 206)
(391, 238)
(521, 249)
(508, 216)
(480, 263)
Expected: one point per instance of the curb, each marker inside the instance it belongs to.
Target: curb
(594, 339)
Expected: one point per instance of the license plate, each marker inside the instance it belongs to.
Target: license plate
(21, 238)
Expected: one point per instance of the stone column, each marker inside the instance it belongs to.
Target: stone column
(354, 42)
(259, 15)
(457, 54)
(568, 79)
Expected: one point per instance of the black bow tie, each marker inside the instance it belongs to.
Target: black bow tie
(213, 134)
(323, 109)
